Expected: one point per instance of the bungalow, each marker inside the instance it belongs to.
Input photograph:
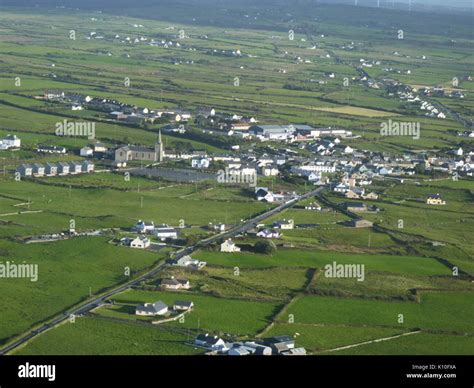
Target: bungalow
(24, 170)
(151, 309)
(229, 247)
(181, 305)
(140, 242)
(435, 199)
(38, 169)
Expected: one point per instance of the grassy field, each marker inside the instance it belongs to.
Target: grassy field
(218, 315)
(318, 259)
(89, 336)
(437, 311)
(281, 81)
(68, 271)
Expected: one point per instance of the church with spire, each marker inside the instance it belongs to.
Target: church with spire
(132, 152)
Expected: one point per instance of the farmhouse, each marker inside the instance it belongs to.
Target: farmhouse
(229, 246)
(151, 309)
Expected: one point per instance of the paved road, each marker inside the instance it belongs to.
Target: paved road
(90, 305)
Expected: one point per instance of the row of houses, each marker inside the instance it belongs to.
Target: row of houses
(53, 169)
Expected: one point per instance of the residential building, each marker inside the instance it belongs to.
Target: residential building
(435, 199)
(229, 247)
(152, 309)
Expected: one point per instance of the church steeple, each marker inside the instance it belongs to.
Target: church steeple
(159, 151)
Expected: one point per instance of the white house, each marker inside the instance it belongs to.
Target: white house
(25, 170)
(210, 342)
(140, 242)
(51, 169)
(75, 168)
(165, 231)
(200, 163)
(285, 224)
(229, 246)
(151, 309)
(87, 166)
(86, 151)
(267, 233)
(10, 141)
(144, 227)
(188, 261)
(181, 305)
(38, 169)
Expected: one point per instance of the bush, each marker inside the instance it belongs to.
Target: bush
(266, 247)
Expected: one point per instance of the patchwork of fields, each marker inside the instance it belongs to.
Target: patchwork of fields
(417, 295)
